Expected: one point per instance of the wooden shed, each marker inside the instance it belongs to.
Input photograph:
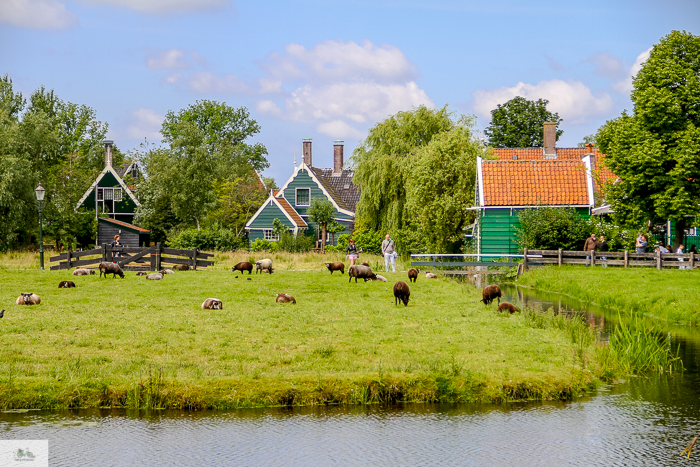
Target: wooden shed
(131, 235)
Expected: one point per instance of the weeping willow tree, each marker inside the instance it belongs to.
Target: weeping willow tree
(383, 163)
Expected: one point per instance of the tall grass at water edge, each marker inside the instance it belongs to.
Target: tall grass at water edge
(668, 295)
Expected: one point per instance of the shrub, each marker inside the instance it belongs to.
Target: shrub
(369, 241)
(263, 245)
(551, 228)
(212, 238)
(295, 244)
(618, 238)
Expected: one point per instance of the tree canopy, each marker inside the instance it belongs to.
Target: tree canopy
(519, 123)
(321, 212)
(655, 150)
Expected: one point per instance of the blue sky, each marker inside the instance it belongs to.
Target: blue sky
(330, 70)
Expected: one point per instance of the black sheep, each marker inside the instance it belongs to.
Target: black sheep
(413, 275)
(401, 293)
(491, 293)
(361, 272)
(111, 268)
(66, 284)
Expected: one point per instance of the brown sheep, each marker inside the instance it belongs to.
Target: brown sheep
(284, 298)
(66, 284)
(181, 267)
(28, 298)
(361, 272)
(212, 304)
(141, 273)
(505, 306)
(83, 272)
(243, 266)
(413, 275)
(491, 293)
(364, 264)
(401, 293)
(336, 267)
(111, 268)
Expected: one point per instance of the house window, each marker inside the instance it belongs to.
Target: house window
(100, 194)
(269, 236)
(303, 196)
(108, 193)
(117, 194)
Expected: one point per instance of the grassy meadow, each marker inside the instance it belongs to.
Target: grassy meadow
(670, 294)
(138, 343)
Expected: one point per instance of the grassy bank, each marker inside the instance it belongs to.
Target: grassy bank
(669, 295)
(139, 343)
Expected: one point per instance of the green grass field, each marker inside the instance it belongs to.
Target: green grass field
(138, 343)
(670, 294)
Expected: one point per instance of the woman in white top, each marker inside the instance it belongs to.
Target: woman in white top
(679, 251)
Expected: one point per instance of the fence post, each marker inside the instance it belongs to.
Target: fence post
(153, 257)
(559, 257)
(194, 259)
(658, 260)
(69, 265)
(627, 258)
(104, 252)
(525, 259)
(692, 260)
(592, 258)
(158, 249)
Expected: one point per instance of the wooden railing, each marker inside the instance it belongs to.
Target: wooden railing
(617, 258)
(146, 258)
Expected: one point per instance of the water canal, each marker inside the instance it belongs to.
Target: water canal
(637, 422)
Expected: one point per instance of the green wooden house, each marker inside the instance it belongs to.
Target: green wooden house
(290, 203)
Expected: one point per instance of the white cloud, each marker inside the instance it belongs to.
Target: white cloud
(160, 7)
(339, 129)
(204, 82)
(572, 100)
(173, 58)
(607, 66)
(268, 108)
(270, 86)
(145, 123)
(37, 14)
(625, 86)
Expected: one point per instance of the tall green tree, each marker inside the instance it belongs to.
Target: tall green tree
(518, 123)
(321, 212)
(383, 161)
(655, 150)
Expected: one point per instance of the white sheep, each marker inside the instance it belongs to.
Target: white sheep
(212, 304)
(263, 265)
(28, 298)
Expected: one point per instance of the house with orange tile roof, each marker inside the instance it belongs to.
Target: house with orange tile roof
(530, 178)
(291, 202)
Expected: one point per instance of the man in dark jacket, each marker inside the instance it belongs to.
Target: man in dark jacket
(590, 245)
(603, 247)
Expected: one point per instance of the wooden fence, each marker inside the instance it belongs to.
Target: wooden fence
(622, 258)
(151, 258)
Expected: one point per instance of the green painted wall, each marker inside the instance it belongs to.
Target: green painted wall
(126, 206)
(304, 180)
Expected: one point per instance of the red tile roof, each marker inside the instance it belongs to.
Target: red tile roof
(537, 154)
(124, 224)
(534, 182)
(291, 211)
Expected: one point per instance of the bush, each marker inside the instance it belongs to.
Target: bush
(618, 239)
(263, 245)
(409, 241)
(368, 241)
(552, 228)
(212, 238)
(299, 244)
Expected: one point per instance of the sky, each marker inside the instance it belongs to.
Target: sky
(330, 70)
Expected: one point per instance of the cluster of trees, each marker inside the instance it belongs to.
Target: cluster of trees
(53, 142)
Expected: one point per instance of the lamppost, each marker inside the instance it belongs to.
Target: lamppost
(40, 192)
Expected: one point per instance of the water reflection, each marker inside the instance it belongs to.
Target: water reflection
(640, 422)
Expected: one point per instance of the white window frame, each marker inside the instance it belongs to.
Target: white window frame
(108, 194)
(269, 236)
(116, 194)
(296, 197)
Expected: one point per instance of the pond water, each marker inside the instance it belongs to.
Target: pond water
(637, 422)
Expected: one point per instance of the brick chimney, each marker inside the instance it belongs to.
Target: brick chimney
(550, 140)
(108, 152)
(306, 152)
(337, 157)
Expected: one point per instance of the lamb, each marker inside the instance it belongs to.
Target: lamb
(505, 306)
(380, 278)
(181, 267)
(490, 293)
(243, 266)
(430, 275)
(336, 267)
(413, 275)
(66, 284)
(212, 304)
(141, 273)
(167, 271)
(83, 272)
(156, 276)
(28, 298)
(284, 298)
(111, 268)
(361, 272)
(263, 265)
(401, 293)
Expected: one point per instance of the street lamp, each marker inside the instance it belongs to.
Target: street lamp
(40, 192)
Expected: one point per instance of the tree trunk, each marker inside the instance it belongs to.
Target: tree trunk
(323, 238)
(197, 219)
(680, 233)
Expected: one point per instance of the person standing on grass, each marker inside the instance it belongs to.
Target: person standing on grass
(603, 247)
(590, 246)
(351, 251)
(388, 252)
(116, 242)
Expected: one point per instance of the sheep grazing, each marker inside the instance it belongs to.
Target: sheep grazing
(336, 267)
(167, 271)
(413, 275)
(361, 272)
(263, 265)
(28, 298)
(284, 298)
(380, 278)
(491, 293)
(111, 268)
(156, 276)
(505, 306)
(430, 275)
(66, 284)
(83, 272)
(181, 267)
(401, 293)
(243, 266)
(141, 273)
(212, 304)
